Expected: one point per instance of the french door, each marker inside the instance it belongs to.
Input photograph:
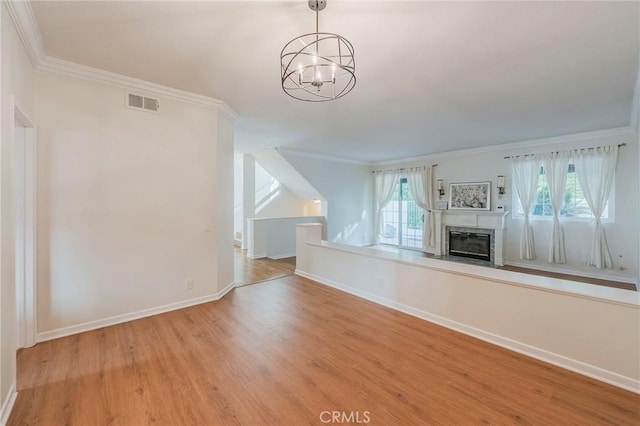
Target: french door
(402, 219)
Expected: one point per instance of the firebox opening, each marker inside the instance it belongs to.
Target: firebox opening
(475, 245)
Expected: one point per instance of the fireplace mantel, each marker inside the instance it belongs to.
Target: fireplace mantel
(471, 219)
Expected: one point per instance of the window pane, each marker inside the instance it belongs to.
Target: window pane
(574, 203)
(390, 224)
(402, 219)
(542, 206)
(411, 219)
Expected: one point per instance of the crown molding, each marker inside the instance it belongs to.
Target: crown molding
(129, 83)
(27, 27)
(618, 131)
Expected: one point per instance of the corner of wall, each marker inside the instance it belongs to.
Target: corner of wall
(7, 405)
(347, 191)
(16, 77)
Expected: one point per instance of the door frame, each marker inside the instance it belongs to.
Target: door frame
(402, 179)
(23, 136)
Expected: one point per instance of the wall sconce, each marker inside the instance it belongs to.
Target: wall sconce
(500, 185)
(440, 188)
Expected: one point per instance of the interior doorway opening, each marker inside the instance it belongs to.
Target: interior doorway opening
(24, 175)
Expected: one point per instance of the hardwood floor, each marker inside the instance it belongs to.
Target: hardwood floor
(251, 271)
(588, 280)
(290, 351)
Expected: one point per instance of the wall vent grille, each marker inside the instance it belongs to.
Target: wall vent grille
(142, 102)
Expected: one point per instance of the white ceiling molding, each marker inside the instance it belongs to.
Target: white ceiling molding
(27, 28)
(129, 83)
(618, 131)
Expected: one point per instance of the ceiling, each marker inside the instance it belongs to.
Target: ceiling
(431, 76)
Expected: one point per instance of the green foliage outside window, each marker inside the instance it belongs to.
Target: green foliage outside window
(574, 204)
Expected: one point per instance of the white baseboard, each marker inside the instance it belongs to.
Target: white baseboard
(7, 405)
(282, 256)
(226, 290)
(256, 256)
(576, 366)
(609, 277)
(119, 319)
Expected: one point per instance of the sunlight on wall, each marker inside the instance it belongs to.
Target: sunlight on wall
(267, 187)
(346, 232)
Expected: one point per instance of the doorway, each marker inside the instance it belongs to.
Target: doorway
(24, 175)
(402, 219)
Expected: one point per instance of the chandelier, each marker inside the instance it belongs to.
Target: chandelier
(318, 67)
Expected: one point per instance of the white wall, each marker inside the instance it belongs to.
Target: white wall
(286, 204)
(635, 123)
(347, 189)
(312, 208)
(593, 330)
(131, 203)
(275, 238)
(222, 201)
(622, 234)
(238, 185)
(17, 81)
(248, 194)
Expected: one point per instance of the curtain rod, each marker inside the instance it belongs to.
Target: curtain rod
(401, 169)
(555, 152)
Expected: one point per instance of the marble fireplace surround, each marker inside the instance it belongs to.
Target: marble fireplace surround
(473, 221)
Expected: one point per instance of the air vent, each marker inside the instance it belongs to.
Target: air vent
(142, 102)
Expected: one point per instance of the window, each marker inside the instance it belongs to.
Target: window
(574, 205)
(402, 219)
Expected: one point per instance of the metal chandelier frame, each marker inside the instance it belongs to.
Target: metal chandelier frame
(323, 69)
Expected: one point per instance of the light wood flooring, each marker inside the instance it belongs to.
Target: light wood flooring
(251, 271)
(588, 280)
(285, 352)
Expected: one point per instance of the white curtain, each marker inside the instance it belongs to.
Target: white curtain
(556, 166)
(596, 169)
(526, 172)
(385, 184)
(421, 186)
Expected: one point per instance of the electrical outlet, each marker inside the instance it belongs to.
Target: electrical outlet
(188, 284)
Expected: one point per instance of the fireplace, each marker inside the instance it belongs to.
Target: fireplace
(471, 243)
(492, 223)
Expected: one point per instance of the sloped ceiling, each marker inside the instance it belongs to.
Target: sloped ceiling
(432, 76)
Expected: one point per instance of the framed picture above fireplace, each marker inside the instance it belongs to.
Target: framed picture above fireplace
(470, 196)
